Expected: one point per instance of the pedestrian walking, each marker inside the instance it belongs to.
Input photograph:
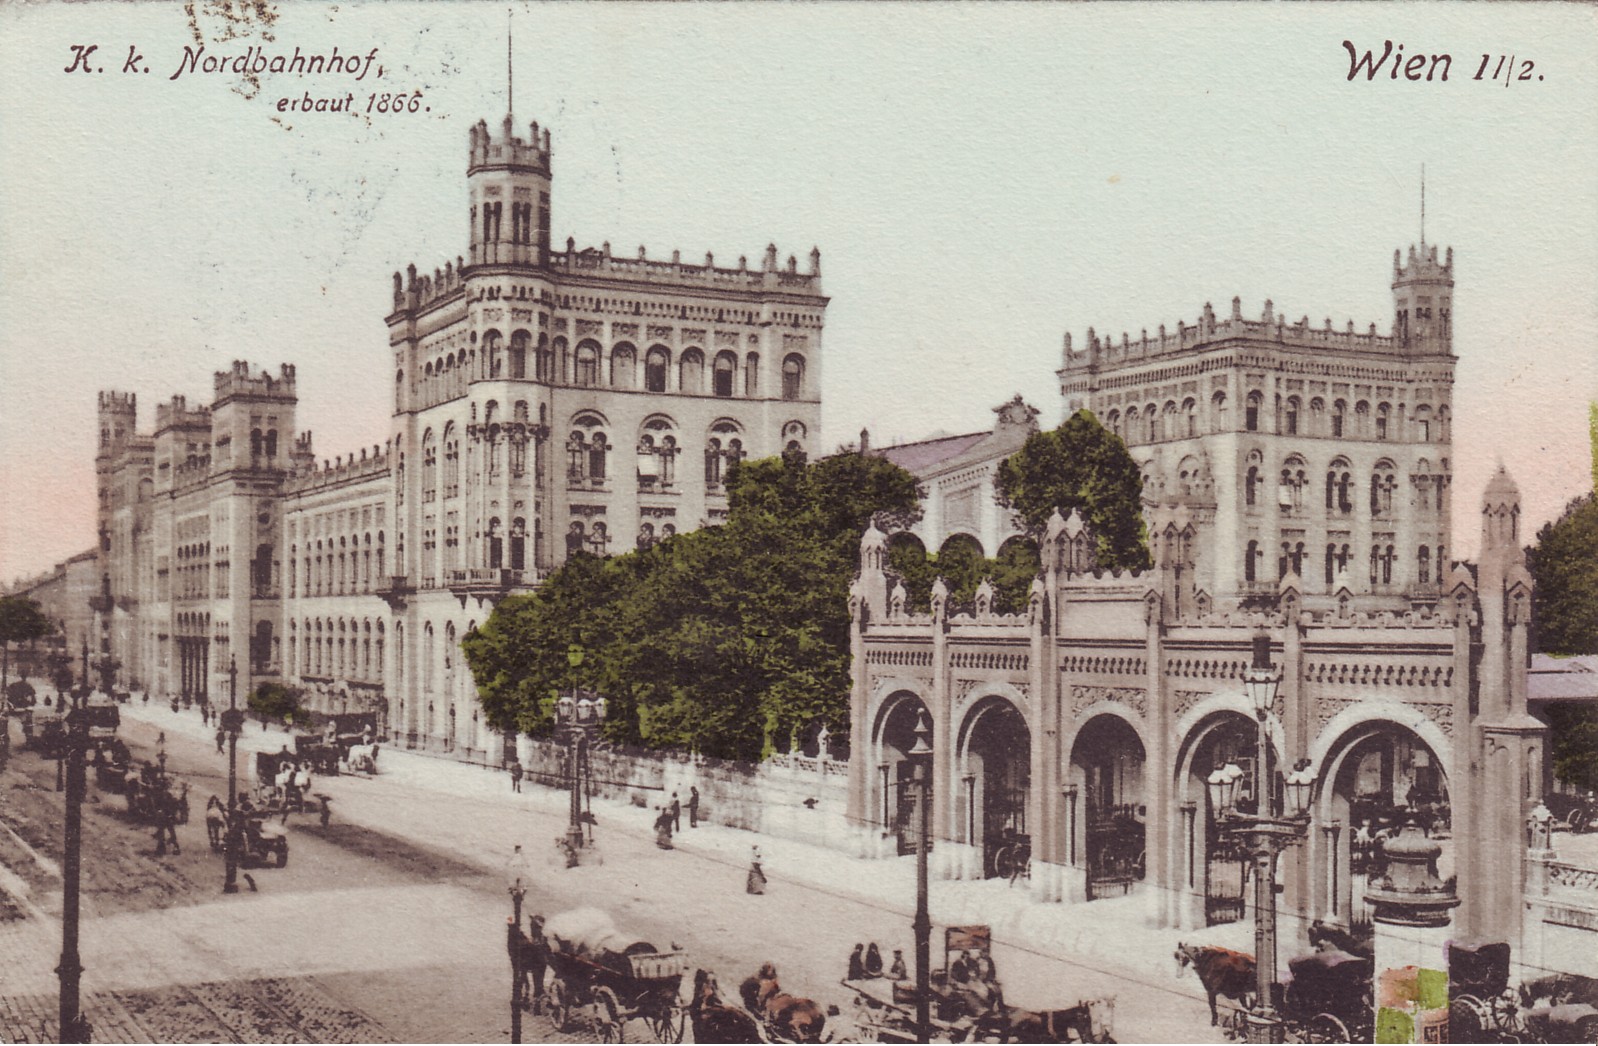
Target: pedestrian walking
(515, 947)
(165, 823)
(515, 776)
(693, 807)
(535, 959)
(221, 735)
(663, 829)
(676, 813)
(756, 881)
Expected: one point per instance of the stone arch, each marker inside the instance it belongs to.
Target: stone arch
(889, 802)
(993, 767)
(1108, 773)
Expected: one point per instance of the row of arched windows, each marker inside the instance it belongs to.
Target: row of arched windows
(590, 365)
(1338, 558)
(1292, 416)
(348, 564)
(1294, 478)
(340, 648)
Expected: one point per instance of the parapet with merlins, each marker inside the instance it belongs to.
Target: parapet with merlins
(337, 471)
(1272, 327)
(508, 151)
(1423, 264)
(243, 380)
(177, 415)
(112, 402)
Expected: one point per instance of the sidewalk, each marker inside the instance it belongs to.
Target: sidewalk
(1114, 931)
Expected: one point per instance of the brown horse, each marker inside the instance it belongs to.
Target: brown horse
(714, 1021)
(1222, 971)
(1084, 1022)
(794, 1018)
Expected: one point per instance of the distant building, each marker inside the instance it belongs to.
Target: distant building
(63, 594)
(1296, 483)
(546, 402)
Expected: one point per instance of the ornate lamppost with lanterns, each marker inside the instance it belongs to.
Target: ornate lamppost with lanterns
(1265, 835)
(233, 723)
(517, 876)
(578, 716)
(920, 755)
(74, 1026)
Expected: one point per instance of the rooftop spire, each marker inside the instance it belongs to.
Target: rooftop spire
(510, 67)
(1423, 205)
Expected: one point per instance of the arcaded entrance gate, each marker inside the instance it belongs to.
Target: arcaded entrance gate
(895, 738)
(1108, 760)
(1221, 863)
(1381, 775)
(997, 774)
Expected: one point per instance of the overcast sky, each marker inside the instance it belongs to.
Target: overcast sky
(979, 181)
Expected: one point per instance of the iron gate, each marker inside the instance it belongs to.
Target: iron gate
(1225, 874)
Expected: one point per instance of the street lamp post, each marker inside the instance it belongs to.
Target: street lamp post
(230, 722)
(1265, 835)
(578, 715)
(517, 875)
(921, 753)
(74, 1027)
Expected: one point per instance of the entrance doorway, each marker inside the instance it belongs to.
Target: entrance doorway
(998, 753)
(1108, 759)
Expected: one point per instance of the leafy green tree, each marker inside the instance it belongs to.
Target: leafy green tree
(274, 701)
(1080, 465)
(726, 640)
(1564, 562)
(1564, 565)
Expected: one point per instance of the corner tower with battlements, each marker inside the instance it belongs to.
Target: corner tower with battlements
(1273, 447)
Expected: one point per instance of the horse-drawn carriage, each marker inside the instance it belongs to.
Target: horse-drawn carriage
(601, 978)
(967, 1006)
(1482, 1007)
(1328, 998)
(111, 761)
(261, 841)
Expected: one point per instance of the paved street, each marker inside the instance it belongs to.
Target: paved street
(388, 925)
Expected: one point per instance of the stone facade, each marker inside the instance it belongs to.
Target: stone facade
(545, 402)
(1088, 724)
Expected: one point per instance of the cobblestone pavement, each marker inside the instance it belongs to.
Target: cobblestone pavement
(394, 916)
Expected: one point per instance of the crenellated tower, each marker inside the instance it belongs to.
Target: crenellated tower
(508, 182)
(1423, 295)
(252, 416)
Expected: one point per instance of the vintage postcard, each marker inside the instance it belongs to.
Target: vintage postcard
(798, 522)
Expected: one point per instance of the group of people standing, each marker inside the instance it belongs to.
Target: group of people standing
(668, 819)
(529, 956)
(865, 963)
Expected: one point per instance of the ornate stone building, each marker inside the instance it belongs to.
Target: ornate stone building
(1088, 725)
(545, 402)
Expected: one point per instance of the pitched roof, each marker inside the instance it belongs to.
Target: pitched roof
(1563, 678)
(921, 457)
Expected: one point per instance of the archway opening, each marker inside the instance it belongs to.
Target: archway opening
(1381, 775)
(1218, 859)
(998, 784)
(1107, 759)
(895, 738)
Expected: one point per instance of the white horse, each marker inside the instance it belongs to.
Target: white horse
(362, 757)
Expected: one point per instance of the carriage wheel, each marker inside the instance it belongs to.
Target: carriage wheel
(667, 1025)
(1579, 819)
(1505, 1010)
(1469, 1020)
(607, 1015)
(557, 1005)
(1326, 1028)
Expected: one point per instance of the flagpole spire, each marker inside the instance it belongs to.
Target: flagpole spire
(1423, 205)
(510, 65)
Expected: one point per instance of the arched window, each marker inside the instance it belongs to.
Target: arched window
(793, 376)
(752, 374)
(452, 461)
(399, 479)
(1251, 557)
(1383, 483)
(1218, 412)
(1132, 430)
(496, 544)
(726, 366)
(721, 450)
(623, 364)
(576, 537)
(1190, 410)
(1112, 422)
(1423, 565)
(1423, 424)
(1317, 416)
(598, 539)
(429, 467)
(656, 364)
(1251, 418)
(518, 544)
(587, 364)
(586, 449)
(646, 535)
(691, 372)
(491, 354)
(518, 354)
(1382, 412)
(560, 357)
(255, 443)
(1291, 416)
(657, 453)
(1250, 486)
(271, 443)
(544, 367)
(1339, 412)
(1152, 417)
(1331, 564)
(793, 437)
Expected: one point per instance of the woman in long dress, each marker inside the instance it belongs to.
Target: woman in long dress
(756, 882)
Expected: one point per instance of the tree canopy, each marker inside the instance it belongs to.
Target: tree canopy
(1080, 465)
(726, 640)
(1564, 565)
(22, 620)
